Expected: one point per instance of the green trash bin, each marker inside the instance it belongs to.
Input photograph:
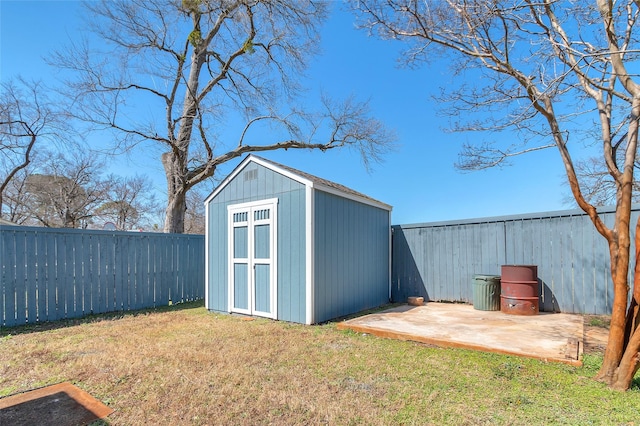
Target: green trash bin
(486, 292)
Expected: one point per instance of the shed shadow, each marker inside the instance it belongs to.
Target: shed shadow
(406, 279)
(548, 301)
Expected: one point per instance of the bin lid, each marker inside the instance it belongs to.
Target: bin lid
(486, 277)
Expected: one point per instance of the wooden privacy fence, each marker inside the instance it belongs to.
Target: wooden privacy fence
(438, 260)
(50, 274)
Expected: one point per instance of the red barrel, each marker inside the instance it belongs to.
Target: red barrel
(520, 292)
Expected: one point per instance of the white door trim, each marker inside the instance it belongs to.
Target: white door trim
(251, 222)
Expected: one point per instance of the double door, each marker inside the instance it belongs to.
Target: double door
(252, 258)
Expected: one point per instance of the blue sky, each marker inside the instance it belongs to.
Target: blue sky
(418, 178)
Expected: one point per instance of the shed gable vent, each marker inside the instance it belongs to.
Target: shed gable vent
(251, 175)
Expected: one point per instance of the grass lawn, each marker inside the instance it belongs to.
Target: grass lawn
(185, 365)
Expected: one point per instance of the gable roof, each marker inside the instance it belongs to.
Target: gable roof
(304, 178)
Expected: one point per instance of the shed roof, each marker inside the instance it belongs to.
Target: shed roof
(6, 222)
(304, 178)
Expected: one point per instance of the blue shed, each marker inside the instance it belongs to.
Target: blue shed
(284, 244)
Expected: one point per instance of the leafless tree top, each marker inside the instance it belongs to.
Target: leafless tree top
(507, 59)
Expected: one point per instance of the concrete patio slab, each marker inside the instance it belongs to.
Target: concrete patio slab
(548, 336)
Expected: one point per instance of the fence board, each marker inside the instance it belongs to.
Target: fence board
(434, 256)
(132, 286)
(120, 273)
(3, 271)
(50, 278)
(173, 256)
(65, 279)
(189, 261)
(544, 256)
(78, 278)
(153, 275)
(105, 248)
(87, 284)
(190, 265)
(50, 274)
(566, 246)
(134, 277)
(580, 237)
(20, 290)
(41, 273)
(143, 272)
(174, 252)
(94, 277)
(181, 260)
(165, 279)
(31, 284)
(9, 278)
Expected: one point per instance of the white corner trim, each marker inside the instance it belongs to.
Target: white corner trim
(230, 271)
(390, 254)
(206, 256)
(309, 262)
(274, 259)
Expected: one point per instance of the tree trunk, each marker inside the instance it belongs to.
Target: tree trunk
(175, 213)
(175, 161)
(633, 313)
(176, 193)
(630, 362)
(622, 356)
(615, 344)
(68, 221)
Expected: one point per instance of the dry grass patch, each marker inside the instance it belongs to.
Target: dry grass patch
(188, 366)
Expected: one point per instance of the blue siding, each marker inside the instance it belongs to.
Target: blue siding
(351, 256)
(254, 183)
(217, 257)
(291, 257)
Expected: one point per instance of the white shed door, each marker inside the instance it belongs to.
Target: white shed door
(252, 258)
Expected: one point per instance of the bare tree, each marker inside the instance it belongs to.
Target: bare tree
(26, 117)
(195, 215)
(598, 187)
(130, 202)
(558, 74)
(180, 73)
(16, 201)
(68, 191)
